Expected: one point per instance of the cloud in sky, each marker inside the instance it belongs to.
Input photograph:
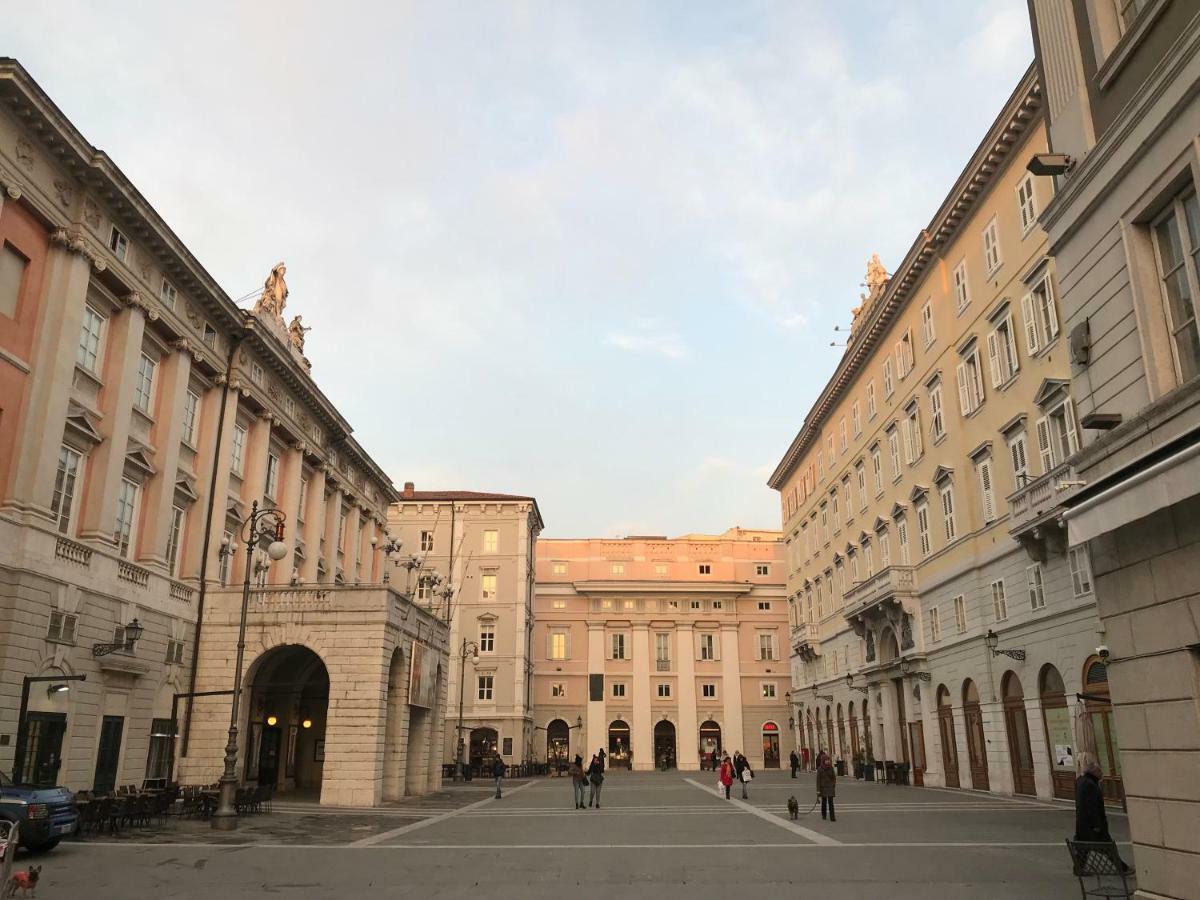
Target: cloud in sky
(480, 204)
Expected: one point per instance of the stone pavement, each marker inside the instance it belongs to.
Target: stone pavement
(655, 835)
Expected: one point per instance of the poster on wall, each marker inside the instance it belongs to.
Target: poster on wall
(423, 683)
(1058, 736)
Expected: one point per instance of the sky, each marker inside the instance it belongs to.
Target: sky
(589, 252)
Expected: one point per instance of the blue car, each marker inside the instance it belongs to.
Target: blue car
(45, 815)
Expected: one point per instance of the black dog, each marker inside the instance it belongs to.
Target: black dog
(793, 808)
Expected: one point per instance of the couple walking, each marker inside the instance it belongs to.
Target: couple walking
(592, 776)
(738, 767)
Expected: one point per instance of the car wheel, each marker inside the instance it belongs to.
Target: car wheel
(43, 846)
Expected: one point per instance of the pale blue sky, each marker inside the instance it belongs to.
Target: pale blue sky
(590, 252)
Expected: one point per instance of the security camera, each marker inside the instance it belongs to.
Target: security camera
(1102, 652)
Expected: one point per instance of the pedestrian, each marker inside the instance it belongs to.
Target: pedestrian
(595, 777)
(498, 774)
(794, 759)
(726, 776)
(741, 767)
(1091, 822)
(827, 787)
(602, 757)
(579, 780)
(804, 758)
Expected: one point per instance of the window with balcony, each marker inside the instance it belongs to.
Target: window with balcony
(1177, 246)
(1002, 351)
(970, 380)
(1081, 571)
(1040, 312)
(143, 383)
(1018, 454)
(902, 539)
(90, 335)
(1058, 435)
(960, 613)
(63, 503)
(999, 600)
(868, 554)
(885, 547)
(127, 507)
(662, 651)
(1037, 587)
(927, 322)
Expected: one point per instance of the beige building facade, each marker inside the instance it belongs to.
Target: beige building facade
(661, 650)
(922, 634)
(144, 415)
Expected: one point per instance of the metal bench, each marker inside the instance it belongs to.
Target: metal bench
(1101, 862)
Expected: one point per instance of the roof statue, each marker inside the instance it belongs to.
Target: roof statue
(274, 295)
(877, 278)
(296, 333)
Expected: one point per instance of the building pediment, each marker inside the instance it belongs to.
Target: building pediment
(80, 430)
(898, 509)
(880, 523)
(919, 492)
(1050, 389)
(942, 473)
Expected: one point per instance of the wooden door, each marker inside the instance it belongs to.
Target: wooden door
(1016, 724)
(268, 755)
(976, 747)
(108, 757)
(916, 738)
(902, 719)
(949, 745)
(42, 748)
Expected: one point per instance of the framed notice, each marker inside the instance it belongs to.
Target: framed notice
(293, 732)
(422, 686)
(319, 750)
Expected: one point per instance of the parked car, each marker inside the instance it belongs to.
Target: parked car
(45, 814)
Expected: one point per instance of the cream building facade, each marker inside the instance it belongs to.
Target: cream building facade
(921, 632)
(661, 650)
(144, 414)
(469, 556)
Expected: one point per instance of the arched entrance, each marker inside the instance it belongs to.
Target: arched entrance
(855, 747)
(1016, 726)
(286, 715)
(841, 726)
(948, 739)
(770, 740)
(866, 720)
(710, 744)
(812, 744)
(1060, 742)
(976, 745)
(819, 745)
(558, 743)
(485, 743)
(1098, 710)
(620, 752)
(664, 744)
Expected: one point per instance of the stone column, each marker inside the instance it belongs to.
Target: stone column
(314, 524)
(926, 708)
(355, 727)
(889, 723)
(254, 478)
(734, 732)
(158, 497)
(35, 457)
(206, 453)
(642, 727)
(106, 463)
(687, 738)
(597, 712)
(291, 468)
(437, 732)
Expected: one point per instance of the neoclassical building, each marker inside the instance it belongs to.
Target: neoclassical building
(661, 650)
(143, 414)
(933, 621)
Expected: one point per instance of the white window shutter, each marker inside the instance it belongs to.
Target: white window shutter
(696, 640)
(1051, 308)
(549, 645)
(1044, 446)
(758, 646)
(568, 643)
(1072, 431)
(900, 358)
(985, 482)
(716, 645)
(1031, 331)
(1011, 339)
(964, 402)
(994, 359)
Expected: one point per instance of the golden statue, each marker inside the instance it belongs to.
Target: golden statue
(274, 295)
(296, 331)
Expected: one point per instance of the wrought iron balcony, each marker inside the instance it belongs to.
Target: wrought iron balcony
(663, 665)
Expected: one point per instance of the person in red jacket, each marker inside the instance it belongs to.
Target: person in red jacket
(726, 776)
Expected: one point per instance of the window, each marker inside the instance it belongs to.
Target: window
(166, 293)
(660, 569)
(558, 645)
(210, 338)
(664, 691)
(239, 449)
(127, 497)
(885, 548)
(289, 405)
(766, 645)
(844, 442)
(935, 624)
(487, 637)
(558, 689)
(272, 484)
(618, 646)
(999, 601)
(485, 684)
(174, 539)
(927, 322)
(191, 406)
(487, 586)
(491, 540)
(962, 297)
(708, 646)
(768, 690)
(662, 649)
(764, 605)
(1177, 241)
(425, 585)
(960, 613)
(877, 469)
(1020, 460)
(871, 399)
(829, 453)
(1037, 589)
(913, 444)
(888, 386)
(174, 652)
(159, 753)
(1041, 315)
(256, 373)
(708, 691)
(833, 509)
(1026, 204)
(559, 604)
(704, 569)
(62, 628)
(426, 541)
(63, 503)
(118, 244)
(923, 528)
(1002, 352)
(303, 504)
(1081, 571)
(560, 568)
(856, 418)
(88, 355)
(902, 539)
(694, 604)
(991, 248)
(762, 569)
(341, 542)
(947, 493)
(1058, 437)
(987, 494)
(143, 385)
(894, 452)
(12, 274)
(937, 424)
(618, 690)
(825, 521)
(970, 381)
(904, 355)
(618, 568)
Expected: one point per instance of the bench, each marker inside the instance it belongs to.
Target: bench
(1101, 862)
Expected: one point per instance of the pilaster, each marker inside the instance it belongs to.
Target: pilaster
(597, 712)
(642, 738)
(254, 476)
(314, 524)
(688, 737)
(174, 371)
(731, 689)
(291, 469)
(208, 454)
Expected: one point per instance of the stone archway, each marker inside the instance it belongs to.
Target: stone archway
(484, 746)
(710, 744)
(664, 744)
(1016, 728)
(394, 775)
(558, 743)
(286, 712)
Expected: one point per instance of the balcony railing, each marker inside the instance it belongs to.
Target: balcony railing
(663, 665)
(1041, 496)
(889, 581)
(181, 592)
(127, 571)
(73, 551)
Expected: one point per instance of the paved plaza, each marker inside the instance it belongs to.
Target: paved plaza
(656, 835)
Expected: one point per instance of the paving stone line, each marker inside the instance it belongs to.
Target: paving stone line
(405, 829)
(815, 836)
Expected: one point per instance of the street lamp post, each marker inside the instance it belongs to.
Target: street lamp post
(462, 674)
(261, 524)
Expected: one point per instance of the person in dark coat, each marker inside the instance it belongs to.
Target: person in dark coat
(827, 787)
(602, 756)
(498, 774)
(1091, 821)
(579, 780)
(795, 762)
(741, 768)
(595, 777)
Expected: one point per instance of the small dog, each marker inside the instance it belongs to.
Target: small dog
(793, 808)
(25, 882)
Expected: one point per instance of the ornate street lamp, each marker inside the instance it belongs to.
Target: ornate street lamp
(261, 525)
(828, 698)
(132, 634)
(462, 672)
(991, 639)
(908, 668)
(850, 684)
